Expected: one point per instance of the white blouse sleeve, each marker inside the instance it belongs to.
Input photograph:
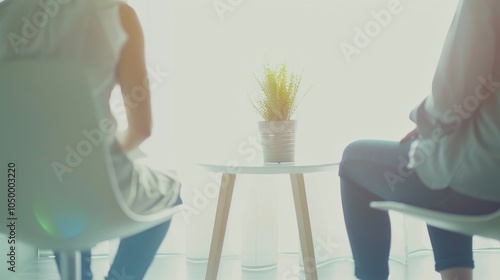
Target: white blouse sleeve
(465, 68)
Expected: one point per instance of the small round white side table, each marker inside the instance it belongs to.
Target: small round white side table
(296, 172)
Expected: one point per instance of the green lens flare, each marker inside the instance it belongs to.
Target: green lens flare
(61, 224)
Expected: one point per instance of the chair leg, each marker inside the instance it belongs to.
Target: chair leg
(71, 265)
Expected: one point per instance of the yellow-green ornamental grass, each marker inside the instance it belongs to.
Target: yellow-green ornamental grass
(278, 92)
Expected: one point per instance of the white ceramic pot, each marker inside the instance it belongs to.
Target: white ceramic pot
(278, 140)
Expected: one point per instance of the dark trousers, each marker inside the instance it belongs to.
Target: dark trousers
(376, 170)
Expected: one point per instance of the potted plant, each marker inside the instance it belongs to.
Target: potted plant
(276, 102)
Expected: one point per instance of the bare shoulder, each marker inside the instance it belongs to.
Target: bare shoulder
(126, 11)
(129, 19)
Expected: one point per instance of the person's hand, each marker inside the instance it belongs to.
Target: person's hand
(410, 136)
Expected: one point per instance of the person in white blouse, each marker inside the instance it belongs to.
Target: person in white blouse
(449, 163)
(106, 38)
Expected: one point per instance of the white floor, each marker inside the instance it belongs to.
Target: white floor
(420, 267)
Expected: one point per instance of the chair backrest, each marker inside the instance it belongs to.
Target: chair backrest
(482, 225)
(62, 189)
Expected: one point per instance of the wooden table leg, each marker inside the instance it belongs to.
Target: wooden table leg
(223, 205)
(304, 224)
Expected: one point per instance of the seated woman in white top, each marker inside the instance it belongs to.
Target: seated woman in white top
(449, 163)
(106, 38)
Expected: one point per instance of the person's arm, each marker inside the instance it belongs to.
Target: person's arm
(133, 79)
(466, 63)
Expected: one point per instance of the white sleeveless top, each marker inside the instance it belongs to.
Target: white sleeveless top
(90, 32)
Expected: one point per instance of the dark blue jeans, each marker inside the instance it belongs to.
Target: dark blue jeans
(134, 256)
(376, 170)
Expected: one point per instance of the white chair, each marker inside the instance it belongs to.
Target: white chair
(482, 225)
(44, 109)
